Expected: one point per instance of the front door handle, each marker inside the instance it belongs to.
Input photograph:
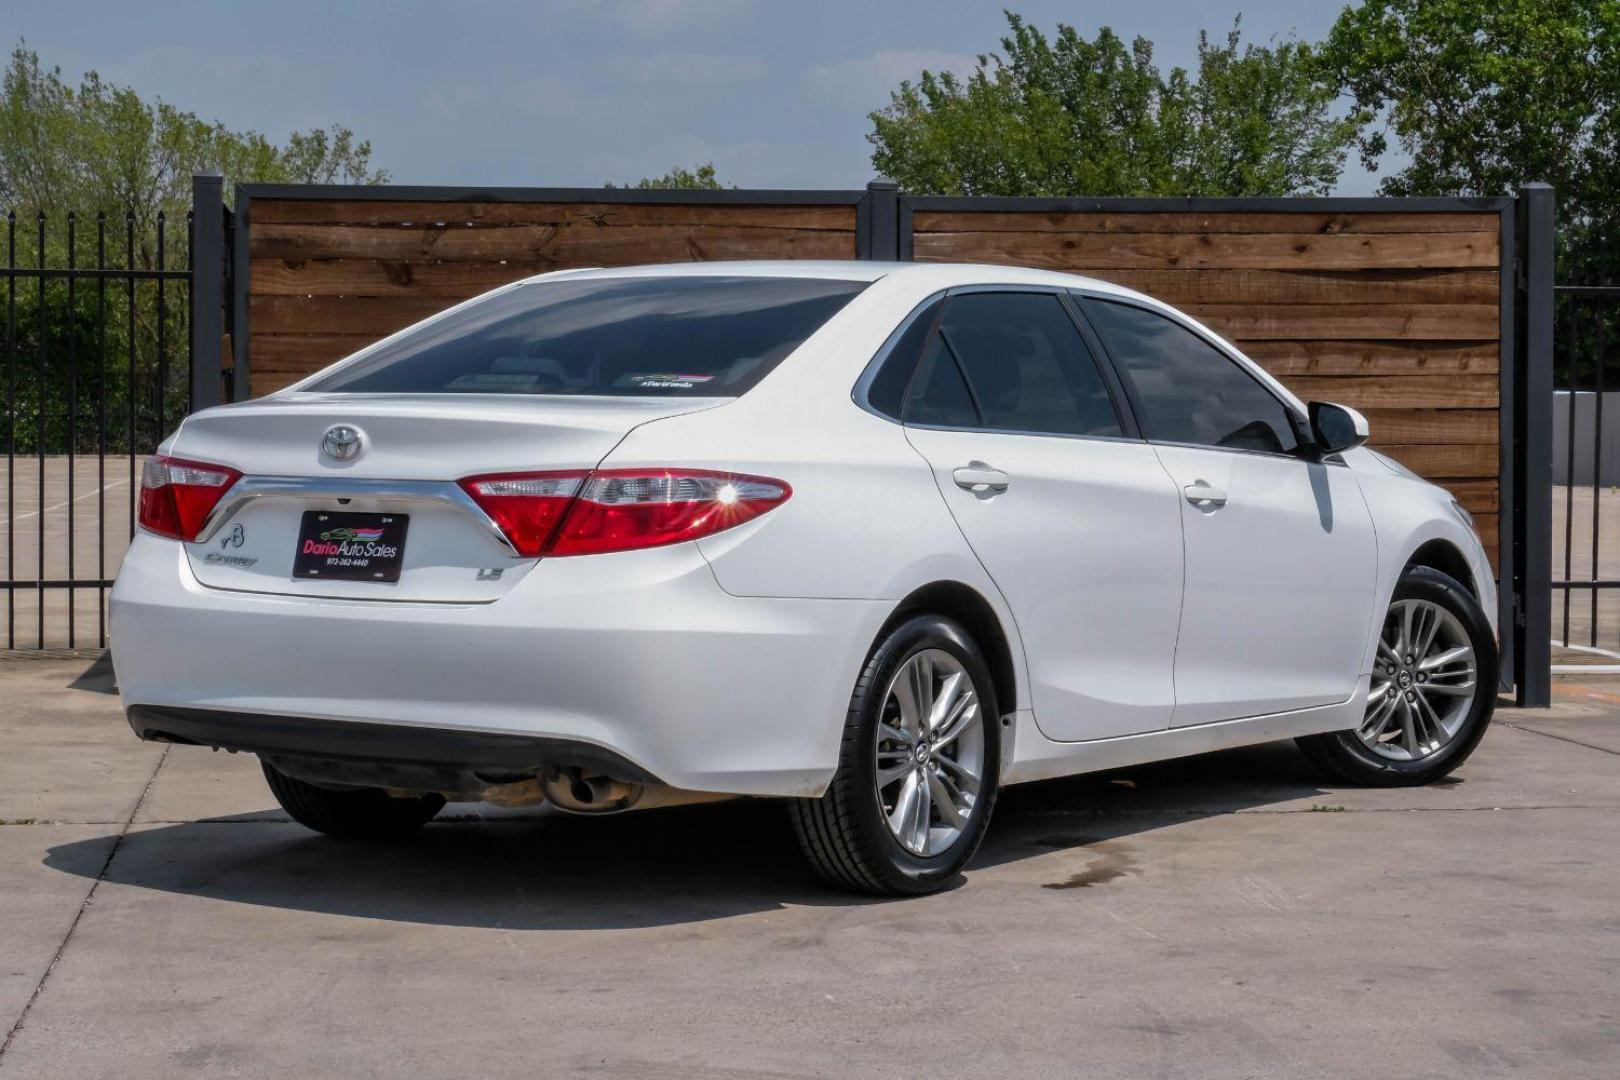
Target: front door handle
(980, 478)
(1204, 496)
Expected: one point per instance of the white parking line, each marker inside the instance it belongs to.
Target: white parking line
(64, 502)
(1592, 649)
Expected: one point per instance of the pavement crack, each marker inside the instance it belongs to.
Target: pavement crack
(1564, 738)
(84, 905)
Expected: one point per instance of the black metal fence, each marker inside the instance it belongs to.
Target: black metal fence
(1586, 472)
(95, 333)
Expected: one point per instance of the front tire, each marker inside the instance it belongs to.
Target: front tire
(1433, 689)
(918, 767)
(350, 813)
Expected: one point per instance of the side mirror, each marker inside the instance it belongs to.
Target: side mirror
(1336, 427)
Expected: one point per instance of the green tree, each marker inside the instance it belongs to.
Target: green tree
(1484, 97)
(98, 146)
(700, 179)
(94, 153)
(1072, 116)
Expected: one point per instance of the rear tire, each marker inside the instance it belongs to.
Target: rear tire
(1417, 727)
(918, 767)
(351, 813)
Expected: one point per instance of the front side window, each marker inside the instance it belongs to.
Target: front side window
(1189, 391)
(692, 336)
(1010, 362)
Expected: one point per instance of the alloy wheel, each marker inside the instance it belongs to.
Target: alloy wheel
(1424, 682)
(930, 752)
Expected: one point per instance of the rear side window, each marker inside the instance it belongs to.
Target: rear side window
(1188, 390)
(667, 337)
(1010, 362)
(898, 360)
(1027, 365)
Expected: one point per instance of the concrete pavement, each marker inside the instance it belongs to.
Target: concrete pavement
(1233, 915)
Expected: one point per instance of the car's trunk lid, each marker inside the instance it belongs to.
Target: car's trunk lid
(411, 451)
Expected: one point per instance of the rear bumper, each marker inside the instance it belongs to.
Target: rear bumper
(638, 655)
(411, 752)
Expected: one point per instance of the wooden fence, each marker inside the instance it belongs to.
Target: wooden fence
(1394, 306)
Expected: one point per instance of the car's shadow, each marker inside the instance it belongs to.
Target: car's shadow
(545, 870)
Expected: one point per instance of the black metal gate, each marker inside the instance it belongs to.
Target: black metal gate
(1586, 470)
(95, 331)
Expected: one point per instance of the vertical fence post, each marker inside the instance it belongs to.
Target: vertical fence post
(906, 232)
(1507, 484)
(207, 288)
(1532, 534)
(241, 374)
(883, 220)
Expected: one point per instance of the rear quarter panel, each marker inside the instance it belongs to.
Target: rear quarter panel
(865, 520)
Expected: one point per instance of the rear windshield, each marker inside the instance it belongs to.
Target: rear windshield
(676, 336)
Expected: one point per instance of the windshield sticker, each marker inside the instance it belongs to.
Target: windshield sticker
(662, 381)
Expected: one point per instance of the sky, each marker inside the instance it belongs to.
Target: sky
(576, 93)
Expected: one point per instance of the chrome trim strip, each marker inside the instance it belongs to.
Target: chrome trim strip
(249, 488)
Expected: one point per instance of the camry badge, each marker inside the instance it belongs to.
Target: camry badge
(341, 442)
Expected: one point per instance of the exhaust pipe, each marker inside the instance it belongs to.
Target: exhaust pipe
(571, 790)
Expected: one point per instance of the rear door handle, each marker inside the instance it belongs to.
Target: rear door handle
(978, 477)
(1204, 496)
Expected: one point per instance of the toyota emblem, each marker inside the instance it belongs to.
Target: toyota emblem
(341, 442)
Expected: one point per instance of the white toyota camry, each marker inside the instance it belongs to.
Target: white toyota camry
(874, 539)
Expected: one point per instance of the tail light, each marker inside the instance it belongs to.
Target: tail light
(591, 513)
(620, 509)
(526, 506)
(178, 495)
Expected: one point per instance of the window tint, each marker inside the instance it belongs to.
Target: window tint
(887, 391)
(672, 336)
(1188, 390)
(1027, 365)
(938, 395)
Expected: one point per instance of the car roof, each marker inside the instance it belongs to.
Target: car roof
(932, 275)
